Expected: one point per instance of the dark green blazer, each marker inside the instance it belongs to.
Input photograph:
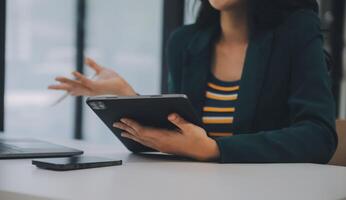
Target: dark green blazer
(285, 111)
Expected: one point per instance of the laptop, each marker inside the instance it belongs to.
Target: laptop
(11, 148)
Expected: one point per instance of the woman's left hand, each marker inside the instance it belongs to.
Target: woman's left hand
(189, 140)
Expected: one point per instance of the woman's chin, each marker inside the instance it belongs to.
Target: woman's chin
(224, 5)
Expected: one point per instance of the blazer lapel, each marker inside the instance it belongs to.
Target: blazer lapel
(197, 62)
(197, 65)
(253, 77)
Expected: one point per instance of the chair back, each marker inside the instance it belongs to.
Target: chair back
(339, 157)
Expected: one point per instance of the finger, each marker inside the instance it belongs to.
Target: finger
(180, 122)
(136, 139)
(124, 127)
(67, 81)
(75, 88)
(85, 81)
(92, 64)
(60, 87)
(131, 137)
(75, 94)
(133, 124)
(80, 92)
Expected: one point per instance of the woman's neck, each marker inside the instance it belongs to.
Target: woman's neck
(234, 26)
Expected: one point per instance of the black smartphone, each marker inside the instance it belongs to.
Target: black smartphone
(74, 163)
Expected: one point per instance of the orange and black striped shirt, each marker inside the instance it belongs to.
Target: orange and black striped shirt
(220, 106)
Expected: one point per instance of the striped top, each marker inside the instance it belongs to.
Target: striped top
(219, 107)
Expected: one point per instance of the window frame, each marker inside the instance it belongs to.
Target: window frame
(80, 48)
(173, 17)
(2, 61)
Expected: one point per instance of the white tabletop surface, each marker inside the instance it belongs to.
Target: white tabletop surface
(143, 177)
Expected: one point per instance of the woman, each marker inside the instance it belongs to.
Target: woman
(255, 72)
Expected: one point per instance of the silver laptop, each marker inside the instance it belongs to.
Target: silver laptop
(30, 148)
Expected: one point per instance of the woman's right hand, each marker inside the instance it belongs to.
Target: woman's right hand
(106, 82)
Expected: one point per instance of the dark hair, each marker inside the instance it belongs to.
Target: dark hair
(264, 13)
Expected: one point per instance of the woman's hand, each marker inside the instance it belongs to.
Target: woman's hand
(107, 82)
(190, 140)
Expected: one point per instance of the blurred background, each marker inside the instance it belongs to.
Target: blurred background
(42, 39)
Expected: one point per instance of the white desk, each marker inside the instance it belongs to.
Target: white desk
(157, 178)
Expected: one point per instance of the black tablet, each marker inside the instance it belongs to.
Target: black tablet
(150, 110)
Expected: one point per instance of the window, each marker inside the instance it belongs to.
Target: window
(191, 11)
(343, 85)
(125, 36)
(39, 46)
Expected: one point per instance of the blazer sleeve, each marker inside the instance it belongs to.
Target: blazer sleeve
(311, 136)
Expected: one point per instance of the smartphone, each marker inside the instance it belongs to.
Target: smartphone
(74, 163)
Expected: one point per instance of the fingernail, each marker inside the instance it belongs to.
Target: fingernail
(172, 116)
(123, 120)
(115, 124)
